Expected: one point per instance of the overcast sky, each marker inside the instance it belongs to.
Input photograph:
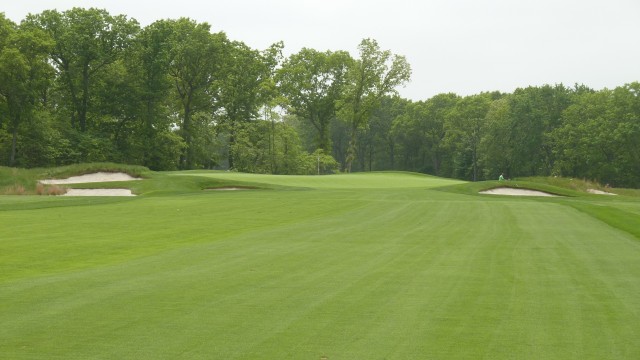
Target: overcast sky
(460, 46)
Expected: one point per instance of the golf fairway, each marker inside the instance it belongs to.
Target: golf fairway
(321, 269)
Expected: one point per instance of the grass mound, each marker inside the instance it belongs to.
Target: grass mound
(16, 181)
(363, 181)
(579, 185)
(476, 188)
(552, 185)
(89, 168)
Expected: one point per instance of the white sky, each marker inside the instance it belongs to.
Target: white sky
(460, 46)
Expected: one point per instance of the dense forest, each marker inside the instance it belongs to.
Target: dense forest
(86, 86)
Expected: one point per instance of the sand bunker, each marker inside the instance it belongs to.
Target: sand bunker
(99, 192)
(599, 192)
(91, 178)
(515, 192)
(94, 178)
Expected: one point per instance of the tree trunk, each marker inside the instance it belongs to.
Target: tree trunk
(474, 160)
(351, 150)
(272, 146)
(82, 113)
(185, 158)
(324, 137)
(435, 161)
(370, 157)
(148, 134)
(74, 94)
(392, 154)
(14, 141)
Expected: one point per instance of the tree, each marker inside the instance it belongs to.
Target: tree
(195, 57)
(87, 41)
(375, 74)
(377, 143)
(419, 132)
(254, 152)
(312, 82)
(465, 129)
(535, 112)
(244, 86)
(498, 144)
(599, 138)
(8, 61)
(24, 73)
(154, 143)
(408, 138)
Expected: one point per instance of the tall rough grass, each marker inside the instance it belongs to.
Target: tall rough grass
(15, 189)
(569, 183)
(42, 189)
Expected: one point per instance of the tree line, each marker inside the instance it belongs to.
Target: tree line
(86, 86)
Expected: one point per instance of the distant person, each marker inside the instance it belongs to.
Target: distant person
(501, 178)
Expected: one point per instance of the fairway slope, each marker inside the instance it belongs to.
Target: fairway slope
(355, 266)
(374, 180)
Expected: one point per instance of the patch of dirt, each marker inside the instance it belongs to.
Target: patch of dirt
(91, 178)
(515, 192)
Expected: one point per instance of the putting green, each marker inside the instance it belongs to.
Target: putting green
(358, 267)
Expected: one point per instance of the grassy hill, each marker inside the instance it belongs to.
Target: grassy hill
(375, 266)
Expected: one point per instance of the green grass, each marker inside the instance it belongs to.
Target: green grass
(375, 180)
(361, 266)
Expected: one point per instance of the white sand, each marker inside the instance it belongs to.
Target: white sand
(91, 178)
(98, 192)
(515, 192)
(599, 192)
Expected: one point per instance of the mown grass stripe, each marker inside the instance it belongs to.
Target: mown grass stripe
(344, 273)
